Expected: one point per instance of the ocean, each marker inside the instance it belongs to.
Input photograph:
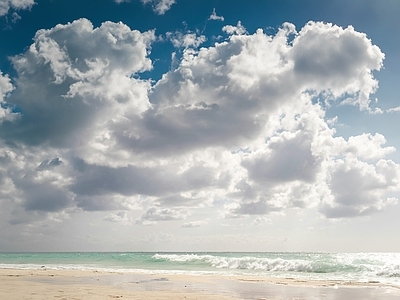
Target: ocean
(356, 267)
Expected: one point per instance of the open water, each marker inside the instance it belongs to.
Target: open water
(357, 267)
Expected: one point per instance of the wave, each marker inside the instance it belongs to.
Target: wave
(363, 267)
(251, 263)
(318, 264)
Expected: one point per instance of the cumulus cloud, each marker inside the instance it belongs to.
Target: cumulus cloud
(194, 224)
(280, 165)
(233, 126)
(358, 188)
(187, 40)
(155, 214)
(120, 217)
(160, 7)
(394, 109)
(6, 111)
(260, 220)
(5, 86)
(238, 29)
(321, 55)
(214, 16)
(365, 146)
(7, 5)
(66, 77)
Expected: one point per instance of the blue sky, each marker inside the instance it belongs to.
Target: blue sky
(184, 125)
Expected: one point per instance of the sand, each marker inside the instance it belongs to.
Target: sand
(76, 285)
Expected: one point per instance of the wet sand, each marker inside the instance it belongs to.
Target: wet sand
(82, 285)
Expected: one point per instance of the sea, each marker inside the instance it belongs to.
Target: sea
(350, 267)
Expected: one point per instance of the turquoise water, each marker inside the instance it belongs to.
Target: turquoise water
(360, 267)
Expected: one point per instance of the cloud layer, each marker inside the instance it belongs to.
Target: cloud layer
(237, 128)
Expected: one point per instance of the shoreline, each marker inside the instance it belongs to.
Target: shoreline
(74, 284)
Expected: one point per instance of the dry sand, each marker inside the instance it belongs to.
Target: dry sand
(77, 285)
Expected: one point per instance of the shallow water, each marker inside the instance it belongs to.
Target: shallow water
(357, 267)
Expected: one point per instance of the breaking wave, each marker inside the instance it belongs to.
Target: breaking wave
(361, 267)
(364, 267)
(254, 263)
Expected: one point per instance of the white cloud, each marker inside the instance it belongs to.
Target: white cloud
(120, 217)
(260, 220)
(6, 5)
(238, 29)
(365, 146)
(232, 127)
(160, 7)
(393, 109)
(163, 214)
(85, 72)
(187, 40)
(280, 165)
(358, 188)
(6, 87)
(303, 177)
(214, 16)
(339, 61)
(194, 224)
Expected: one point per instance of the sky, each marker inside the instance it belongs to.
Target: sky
(188, 125)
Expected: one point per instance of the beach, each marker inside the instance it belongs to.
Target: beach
(76, 284)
